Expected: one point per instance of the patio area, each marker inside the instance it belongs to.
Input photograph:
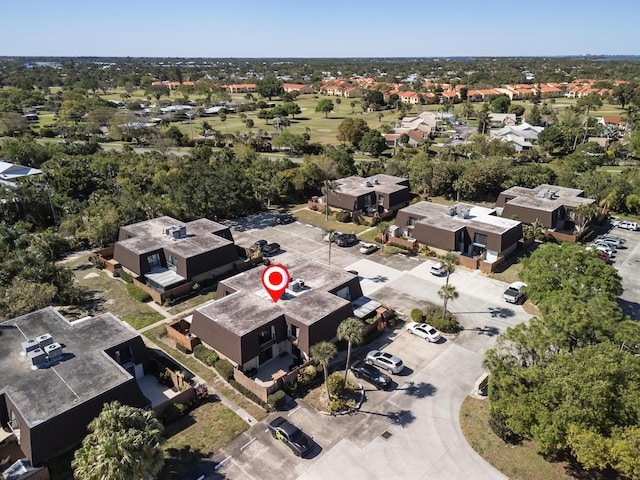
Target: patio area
(275, 369)
(157, 393)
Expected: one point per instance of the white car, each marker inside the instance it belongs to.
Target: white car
(384, 360)
(612, 240)
(423, 330)
(627, 225)
(438, 270)
(611, 246)
(368, 248)
(514, 293)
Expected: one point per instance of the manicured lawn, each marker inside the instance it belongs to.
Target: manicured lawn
(197, 436)
(518, 462)
(107, 294)
(318, 219)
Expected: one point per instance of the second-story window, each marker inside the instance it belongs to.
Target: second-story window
(154, 261)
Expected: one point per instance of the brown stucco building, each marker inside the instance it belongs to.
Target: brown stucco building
(471, 230)
(247, 327)
(165, 253)
(552, 205)
(380, 195)
(56, 376)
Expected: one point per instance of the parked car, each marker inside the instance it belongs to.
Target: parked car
(284, 219)
(613, 240)
(514, 293)
(294, 438)
(347, 240)
(258, 245)
(627, 225)
(600, 242)
(424, 330)
(270, 249)
(368, 248)
(371, 374)
(384, 360)
(438, 270)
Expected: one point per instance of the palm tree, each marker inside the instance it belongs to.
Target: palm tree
(206, 129)
(328, 186)
(447, 292)
(382, 228)
(351, 330)
(323, 353)
(330, 233)
(124, 443)
(449, 262)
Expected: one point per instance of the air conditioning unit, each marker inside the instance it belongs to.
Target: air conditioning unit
(451, 211)
(297, 285)
(183, 231)
(44, 340)
(38, 357)
(29, 346)
(53, 351)
(376, 182)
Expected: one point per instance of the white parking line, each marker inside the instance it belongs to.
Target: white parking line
(247, 444)
(294, 410)
(222, 463)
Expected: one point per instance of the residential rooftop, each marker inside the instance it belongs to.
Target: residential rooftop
(546, 197)
(480, 217)
(250, 306)
(201, 236)
(381, 182)
(84, 371)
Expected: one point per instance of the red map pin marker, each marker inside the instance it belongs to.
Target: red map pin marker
(275, 279)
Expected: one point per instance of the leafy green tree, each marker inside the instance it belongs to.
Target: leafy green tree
(552, 138)
(351, 330)
(483, 119)
(352, 130)
(324, 105)
(500, 104)
(175, 134)
(467, 110)
(23, 296)
(323, 353)
(569, 270)
(13, 124)
(269, 87)
(373, 143)
(124, 443)
(533, 117)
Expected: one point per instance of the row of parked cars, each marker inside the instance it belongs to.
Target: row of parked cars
(606, 246)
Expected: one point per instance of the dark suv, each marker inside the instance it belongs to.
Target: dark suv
(283, 219)
(346, 240)
(371, 374)
(298, 441)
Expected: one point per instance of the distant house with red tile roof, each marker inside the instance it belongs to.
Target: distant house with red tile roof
(297, 87)
(616, 120)
(241, 88)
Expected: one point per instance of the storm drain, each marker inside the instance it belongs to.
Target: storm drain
(386, 435)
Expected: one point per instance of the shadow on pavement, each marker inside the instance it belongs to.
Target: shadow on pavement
(419, 390)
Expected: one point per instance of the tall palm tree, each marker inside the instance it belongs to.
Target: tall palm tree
(328, 186)
(351, 330)
(382, 228)
(323, 353)
(449, 262)
(124, 443)
(447, 292)
(330, 233)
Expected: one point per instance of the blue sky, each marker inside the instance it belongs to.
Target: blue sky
(329, 28)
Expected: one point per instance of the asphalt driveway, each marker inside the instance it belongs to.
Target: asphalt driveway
(413, 430)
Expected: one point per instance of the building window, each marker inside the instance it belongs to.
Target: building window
(293, 331)
(411, 221)
(479, 240)
(172, 263)
(154, 261)
(267, 336)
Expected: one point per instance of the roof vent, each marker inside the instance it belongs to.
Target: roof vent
(375, 181)
(464, 213)
(44, 340)
(451, 211)
(542, 193)
(550, 194)
(367, 183)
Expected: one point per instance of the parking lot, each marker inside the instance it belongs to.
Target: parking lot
(412, 430)
(627, 262)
